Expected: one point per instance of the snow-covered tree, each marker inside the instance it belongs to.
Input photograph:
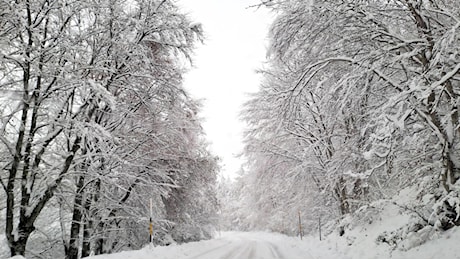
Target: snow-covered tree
(359, 97)
(94, 122)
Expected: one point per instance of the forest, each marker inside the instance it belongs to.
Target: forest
(359, 102)
(95, 123)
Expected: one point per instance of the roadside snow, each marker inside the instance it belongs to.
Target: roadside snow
(441, 246)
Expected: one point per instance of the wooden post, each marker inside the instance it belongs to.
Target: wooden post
(300, 227)
(319, 227)
(151, 224)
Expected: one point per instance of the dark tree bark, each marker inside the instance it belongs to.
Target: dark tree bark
(77, 218)
(27, 219)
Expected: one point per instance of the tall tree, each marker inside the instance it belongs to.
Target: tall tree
(39, 84)
(93, 113)
(359, 96)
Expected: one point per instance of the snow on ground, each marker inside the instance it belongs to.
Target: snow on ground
(226, 245)
(359, 242)
(383, 231)
(271, 245)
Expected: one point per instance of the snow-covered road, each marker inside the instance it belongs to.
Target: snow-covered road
(227, 245)
(243, 245)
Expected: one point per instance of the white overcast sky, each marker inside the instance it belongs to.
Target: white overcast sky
(235, 46)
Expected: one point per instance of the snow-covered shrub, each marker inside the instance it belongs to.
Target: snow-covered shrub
(184, 233)
(412, 234)
(365, 215)
(416, 238)
(446, 210)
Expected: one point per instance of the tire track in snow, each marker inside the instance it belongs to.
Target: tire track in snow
(248, 249)
(275, 251)
(278, 253)
(212, 250)
(242, 250)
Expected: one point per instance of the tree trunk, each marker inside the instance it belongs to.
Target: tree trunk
(341, 194)
(86, 247)
(76, 220)
(98, 246)
(448, 176)
(18, 247)
(27, 219)
(91, 199)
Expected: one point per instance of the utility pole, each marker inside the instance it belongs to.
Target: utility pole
(300, 227)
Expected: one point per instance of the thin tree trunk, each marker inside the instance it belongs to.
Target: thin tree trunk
(86, 246)
(77, 217)
(341, 193)
(91, 213)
